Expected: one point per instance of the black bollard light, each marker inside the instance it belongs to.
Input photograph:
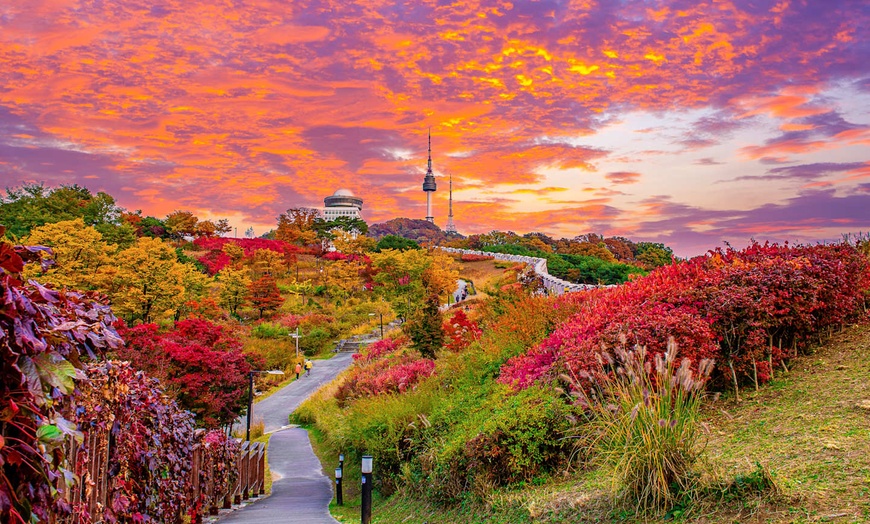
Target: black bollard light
(341, 460)
(366, 470)
(338, 498)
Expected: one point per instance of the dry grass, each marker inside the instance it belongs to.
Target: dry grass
(481, 273)
(811, 428)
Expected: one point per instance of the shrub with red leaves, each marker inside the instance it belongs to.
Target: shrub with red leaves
(737, 307)
(470, 257)
(215, 259)
(44, 336)
(460, 332)
(383, 376)
(380, 349)
(150, 440)
(200, 362)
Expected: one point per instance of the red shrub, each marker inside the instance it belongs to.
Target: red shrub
(736, 307)
(471, 257)
(215, 259)
(200, 362)
(384, 376)
(460, 332)
(380, 349)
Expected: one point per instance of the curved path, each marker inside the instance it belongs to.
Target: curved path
(300, 491)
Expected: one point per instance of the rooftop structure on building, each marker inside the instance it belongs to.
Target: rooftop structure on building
(342, 203)
(429, 183)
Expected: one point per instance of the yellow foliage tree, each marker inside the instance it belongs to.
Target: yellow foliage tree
(180, 223)
(146, 282)
(234, 288)
(234, 251)
(352, 244)
(345, 275)
(79, 252)
(267, 262)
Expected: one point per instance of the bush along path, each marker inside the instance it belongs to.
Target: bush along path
(300, 490)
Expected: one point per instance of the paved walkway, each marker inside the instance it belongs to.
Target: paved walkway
(300, 491)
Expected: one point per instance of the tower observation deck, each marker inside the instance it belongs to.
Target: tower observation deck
(429, 183)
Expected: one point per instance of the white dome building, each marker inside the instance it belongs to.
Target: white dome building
(342, 203)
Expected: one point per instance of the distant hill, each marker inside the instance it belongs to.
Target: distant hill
(411, 228)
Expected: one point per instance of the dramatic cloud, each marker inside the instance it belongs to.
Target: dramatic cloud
(245, 109)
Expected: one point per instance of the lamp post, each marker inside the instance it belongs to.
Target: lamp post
(296, 336)
(382, 322)
(250, 414)
(366, 508)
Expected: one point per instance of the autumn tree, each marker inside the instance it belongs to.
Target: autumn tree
(181, 223)
(267, 262)
(352, 243)
(400, 277)
(200, 363)
(346, 275)
(234, 251)
(264, 295)
(235, 284)
(205, 229)
(296, 226)
(78, 252)
(146, 281)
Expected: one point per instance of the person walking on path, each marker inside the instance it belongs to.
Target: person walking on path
(298, 370)
(308, 366)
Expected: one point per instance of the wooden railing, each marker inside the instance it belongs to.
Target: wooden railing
(91, 492)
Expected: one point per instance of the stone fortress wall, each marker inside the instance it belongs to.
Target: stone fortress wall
(553, 285)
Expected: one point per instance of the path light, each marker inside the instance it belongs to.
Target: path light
(338, 499)
(250, 414)
(366, 470)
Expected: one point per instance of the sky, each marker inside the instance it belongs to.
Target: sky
(687, 122)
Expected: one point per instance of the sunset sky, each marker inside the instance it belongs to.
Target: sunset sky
(687, 122)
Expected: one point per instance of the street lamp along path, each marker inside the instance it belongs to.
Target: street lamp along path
(250, 414)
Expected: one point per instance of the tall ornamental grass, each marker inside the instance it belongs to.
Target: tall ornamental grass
(644, 424)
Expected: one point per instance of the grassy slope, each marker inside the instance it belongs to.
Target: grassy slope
(810, 428)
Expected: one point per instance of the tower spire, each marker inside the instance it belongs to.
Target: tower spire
(429, 163)
(450, 227)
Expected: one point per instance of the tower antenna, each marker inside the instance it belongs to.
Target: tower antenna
(450, 227)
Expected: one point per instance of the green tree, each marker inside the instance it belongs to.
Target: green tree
(396, 242)
(427, 328)
(654, 254)
(34, 205)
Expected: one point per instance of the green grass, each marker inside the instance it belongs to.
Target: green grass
(808, 432)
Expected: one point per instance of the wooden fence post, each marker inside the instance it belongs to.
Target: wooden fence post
(262, 469)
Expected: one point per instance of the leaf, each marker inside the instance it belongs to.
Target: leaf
(56, 371)
(10, 261)
(49, 434)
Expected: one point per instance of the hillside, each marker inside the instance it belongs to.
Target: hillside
(809, 428)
